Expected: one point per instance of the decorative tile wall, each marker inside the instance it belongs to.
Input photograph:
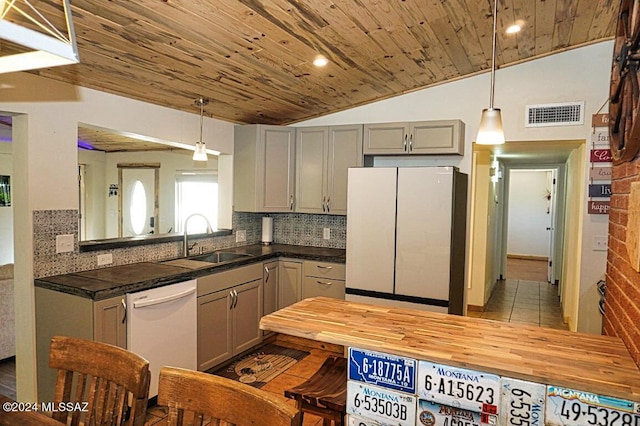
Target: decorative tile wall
(288, 228)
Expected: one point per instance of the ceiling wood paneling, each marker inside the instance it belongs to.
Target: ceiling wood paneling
(252, 58)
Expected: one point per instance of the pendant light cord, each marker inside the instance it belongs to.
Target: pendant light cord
(493, 53)
(201, 101)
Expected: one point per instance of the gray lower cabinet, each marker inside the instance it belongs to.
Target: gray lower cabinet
(423, 137)
(323, 279)
(66, 314)
(289, 283)
(270, 288)
(229, 312)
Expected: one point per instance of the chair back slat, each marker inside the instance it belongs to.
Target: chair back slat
(103, 377)
(218, 398)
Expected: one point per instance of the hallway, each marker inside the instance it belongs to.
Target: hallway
(524, 297)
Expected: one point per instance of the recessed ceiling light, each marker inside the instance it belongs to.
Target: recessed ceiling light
(320, 61)
(516, 27)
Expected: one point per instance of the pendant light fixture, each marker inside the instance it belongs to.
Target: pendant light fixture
(200, 153)
(51, 42)
(491, 131)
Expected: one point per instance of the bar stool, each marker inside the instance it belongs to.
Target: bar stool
(325, 393)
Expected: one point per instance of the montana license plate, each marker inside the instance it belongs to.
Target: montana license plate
(522, 403)
(459, 387)
(434, 414)
(353, 420)
(385, 370)
(568, 407)
(384, 405)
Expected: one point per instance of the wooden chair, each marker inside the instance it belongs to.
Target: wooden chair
(107, 385)
(325, 393)
(189, 393)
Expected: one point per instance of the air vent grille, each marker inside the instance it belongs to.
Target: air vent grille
(562, 114)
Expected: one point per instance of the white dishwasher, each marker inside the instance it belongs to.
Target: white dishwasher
(161, 327)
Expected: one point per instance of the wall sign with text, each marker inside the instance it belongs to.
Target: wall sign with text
(600, 190)
(599, 155)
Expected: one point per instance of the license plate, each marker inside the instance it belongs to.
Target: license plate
(568, 407)
(388, 371)
(522, 403)
(352, 420)
(434, 414)
(384, 405)
(459, 387)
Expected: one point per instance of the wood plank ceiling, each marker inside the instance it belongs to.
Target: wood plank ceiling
(253, 58)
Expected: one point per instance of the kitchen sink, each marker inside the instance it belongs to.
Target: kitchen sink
(220, 256)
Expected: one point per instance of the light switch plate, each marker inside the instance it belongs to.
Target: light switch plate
(241, 236)
(64, 243)
(326, 233)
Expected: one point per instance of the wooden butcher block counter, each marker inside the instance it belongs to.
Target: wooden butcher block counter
(592, 363)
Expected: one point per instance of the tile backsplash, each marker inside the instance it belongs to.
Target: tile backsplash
(288, 228)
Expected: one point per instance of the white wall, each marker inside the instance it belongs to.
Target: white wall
(6, 212)
(576, 75)
(529, 216)
(46, 116)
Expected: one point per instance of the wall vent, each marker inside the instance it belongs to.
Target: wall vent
(561, 114)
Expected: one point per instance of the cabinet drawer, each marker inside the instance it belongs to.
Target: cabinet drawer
(335, 271)
(314, 287)
(229, 278)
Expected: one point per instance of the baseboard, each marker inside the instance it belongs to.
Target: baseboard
(475, 308)
(526, 257)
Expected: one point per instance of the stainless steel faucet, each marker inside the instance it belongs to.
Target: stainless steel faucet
(185, 240)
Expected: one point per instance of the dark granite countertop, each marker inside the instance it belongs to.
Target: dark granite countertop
(99, 284)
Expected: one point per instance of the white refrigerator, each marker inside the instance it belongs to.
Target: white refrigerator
(406, 232)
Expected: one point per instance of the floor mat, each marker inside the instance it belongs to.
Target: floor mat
(260, 367)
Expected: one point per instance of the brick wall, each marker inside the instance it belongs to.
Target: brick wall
(622, 309)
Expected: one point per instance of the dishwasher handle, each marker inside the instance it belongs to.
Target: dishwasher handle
(159, 300)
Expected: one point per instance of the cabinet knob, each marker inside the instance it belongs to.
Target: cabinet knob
(404, 147)
(411, 143)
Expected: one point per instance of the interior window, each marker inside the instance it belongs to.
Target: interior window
(196, 192)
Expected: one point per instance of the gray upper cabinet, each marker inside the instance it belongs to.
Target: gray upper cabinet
(323, 156)
(424, 137)
(263, 165)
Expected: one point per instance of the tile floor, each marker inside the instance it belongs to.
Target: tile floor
(525, 302)
(524, 297)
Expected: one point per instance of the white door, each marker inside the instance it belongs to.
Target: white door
(371, 209)
(423, 250)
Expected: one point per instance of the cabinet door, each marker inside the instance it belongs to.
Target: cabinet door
(214, 329)
(276, 178)
(345, 150)
(386, 138)
(247, 311)
(311, 169)
(437, 137)
(289, 283)
(270, 289)
(110, 324)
